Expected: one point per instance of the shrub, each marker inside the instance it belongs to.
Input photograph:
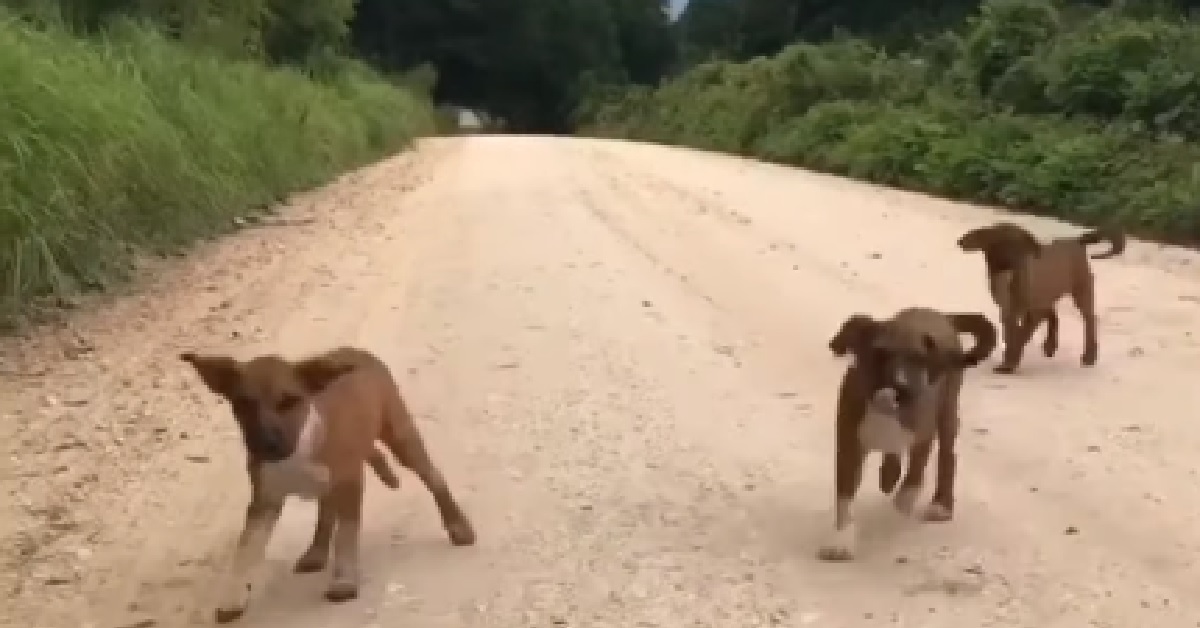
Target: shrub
(1005, 32)
(1093, 117)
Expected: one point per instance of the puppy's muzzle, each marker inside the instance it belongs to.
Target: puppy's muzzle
(902, 386)
(270, 444)
(886, 401)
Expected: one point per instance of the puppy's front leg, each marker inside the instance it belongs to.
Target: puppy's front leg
(347, 498)
(941, 509)
(910, 486)
(261, 516)
(317, 555)
(848, 476)
(1017, 332)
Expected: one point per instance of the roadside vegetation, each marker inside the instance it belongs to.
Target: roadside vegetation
(1057, 108)
(123, 142)
(136, 127)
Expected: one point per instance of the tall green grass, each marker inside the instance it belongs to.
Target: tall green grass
(131, 142)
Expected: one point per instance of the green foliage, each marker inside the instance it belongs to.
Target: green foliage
(272, 30)
(127, 142)
(1004, 33)
(1089, 115)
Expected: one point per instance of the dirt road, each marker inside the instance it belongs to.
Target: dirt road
(617, 353)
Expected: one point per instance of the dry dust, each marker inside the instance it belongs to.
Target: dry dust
(617, 353)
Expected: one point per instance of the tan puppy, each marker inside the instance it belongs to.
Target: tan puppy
(308, 427)
(899, 394)
(1027, 278)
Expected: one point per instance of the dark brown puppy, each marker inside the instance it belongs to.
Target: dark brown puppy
(899, 395)
(324, 414)
(1027, 278)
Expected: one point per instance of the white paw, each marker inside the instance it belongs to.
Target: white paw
(840, 546)
(906, 499)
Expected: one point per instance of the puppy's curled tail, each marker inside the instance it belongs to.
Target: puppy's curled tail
(982, 329)
(1114, 237)
(379, 464)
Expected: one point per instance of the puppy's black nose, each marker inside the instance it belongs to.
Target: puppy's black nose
(273, 446)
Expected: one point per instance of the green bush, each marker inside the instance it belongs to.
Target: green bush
(1094, 119)
(810, 138)
(1004, 33)
(132, 143)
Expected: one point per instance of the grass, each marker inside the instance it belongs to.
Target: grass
(130, 143)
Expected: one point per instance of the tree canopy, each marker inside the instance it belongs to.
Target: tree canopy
(531, 62)
(524, 60)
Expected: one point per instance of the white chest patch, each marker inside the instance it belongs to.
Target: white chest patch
(881, 430)
(299, 475)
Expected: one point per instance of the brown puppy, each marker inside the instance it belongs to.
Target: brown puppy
(900, 394)
(308, 427)
(1027, 278)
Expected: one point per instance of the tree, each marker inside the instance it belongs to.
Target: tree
(523, 60)
(710, 28)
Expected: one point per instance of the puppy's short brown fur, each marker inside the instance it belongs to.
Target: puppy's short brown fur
(1027, 278)
(917, 354)
(353, 394)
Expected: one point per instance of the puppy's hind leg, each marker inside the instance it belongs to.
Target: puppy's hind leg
(409, 449)
(1084, 296)
(889, 472)
(1050, 345)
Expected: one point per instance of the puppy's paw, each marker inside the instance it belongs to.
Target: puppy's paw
(1049, 348)
(906, 500)
(841, 545)
(235, 599)
(312, 561)
(228, 615)
(461, 533)
(937, 513)
(341, 591)
(1088, 358)
(1006, 369)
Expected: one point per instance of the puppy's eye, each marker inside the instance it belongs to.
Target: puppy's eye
(289, 402)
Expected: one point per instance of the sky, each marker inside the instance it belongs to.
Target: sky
(677, 7)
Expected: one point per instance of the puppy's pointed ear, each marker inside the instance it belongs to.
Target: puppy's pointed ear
(316, 373)
(855, 335)
(220, 373)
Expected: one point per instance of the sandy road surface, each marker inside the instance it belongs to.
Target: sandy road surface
(618, 355)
